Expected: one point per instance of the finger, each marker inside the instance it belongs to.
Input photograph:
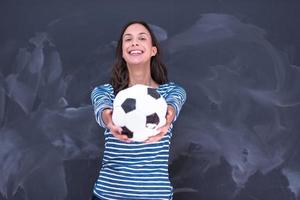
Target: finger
(149, 140)
(117, 129)
(161, 130)
(124, 138)
(119, 136)
(152, 139)
(120, 130)
(160, 134)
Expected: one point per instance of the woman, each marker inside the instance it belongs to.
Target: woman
(136, 170)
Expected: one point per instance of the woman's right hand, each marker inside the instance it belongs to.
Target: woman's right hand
(114, 129)
(117, 132)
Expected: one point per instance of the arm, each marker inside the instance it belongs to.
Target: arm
(107, 117)
(170, 116)
(176, 97)
(175, 100)
(102, 101)
(115, 130)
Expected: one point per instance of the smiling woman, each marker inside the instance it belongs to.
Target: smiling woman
(137, 38)
(136, 170)
(137, 47)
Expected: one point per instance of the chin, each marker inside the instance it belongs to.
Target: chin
(136, 62)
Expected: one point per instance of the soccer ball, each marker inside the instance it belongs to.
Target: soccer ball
(139, 110)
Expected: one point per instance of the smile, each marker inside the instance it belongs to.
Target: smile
(135, 52)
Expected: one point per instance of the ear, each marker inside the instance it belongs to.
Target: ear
(154, 51)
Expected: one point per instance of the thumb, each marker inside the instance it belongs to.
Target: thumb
(120, 130)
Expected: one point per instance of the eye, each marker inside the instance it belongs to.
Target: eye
(127, 39)
(143, 38)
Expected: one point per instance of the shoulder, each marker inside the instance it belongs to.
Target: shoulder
(172, 86)
(104, 88)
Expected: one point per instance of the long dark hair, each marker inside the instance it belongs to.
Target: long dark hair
(120, 74)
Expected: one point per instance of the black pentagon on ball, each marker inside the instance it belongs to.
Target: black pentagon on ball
(153, 93)
(128, 105)
(152, 119)
(126, 131)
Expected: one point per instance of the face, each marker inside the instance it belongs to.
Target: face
(137, 45)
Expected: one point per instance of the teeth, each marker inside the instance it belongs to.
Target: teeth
(135, 52)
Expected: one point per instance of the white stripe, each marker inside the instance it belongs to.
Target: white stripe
(134, 173)
(136, 169)
(147, 157)
(141, 162)
(152, 196)
(105, 197)
(143, 198)
(132, 181)
(131, 156)
(134, 163)
(134, 186)
(103, 174)
(139, 146)
(148, 173)
(136, 177)
(136, 194)
(164, 139)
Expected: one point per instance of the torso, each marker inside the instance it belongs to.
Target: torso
(135, 170)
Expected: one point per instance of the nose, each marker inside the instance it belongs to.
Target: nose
(134, 43)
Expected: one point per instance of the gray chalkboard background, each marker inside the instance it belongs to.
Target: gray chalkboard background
(237, 137)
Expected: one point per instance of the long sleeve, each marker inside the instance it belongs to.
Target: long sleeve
(102, 98)
(176, 97)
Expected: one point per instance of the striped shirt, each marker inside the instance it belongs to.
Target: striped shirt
(135, 170)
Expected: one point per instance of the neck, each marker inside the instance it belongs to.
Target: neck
(140, 75)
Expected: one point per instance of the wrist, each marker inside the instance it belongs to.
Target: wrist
(170, 115)
(107, 117)
(109, 125)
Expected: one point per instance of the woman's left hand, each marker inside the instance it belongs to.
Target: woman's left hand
(164, 129)
(161, 132)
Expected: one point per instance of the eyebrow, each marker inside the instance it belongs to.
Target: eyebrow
(129, 34)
